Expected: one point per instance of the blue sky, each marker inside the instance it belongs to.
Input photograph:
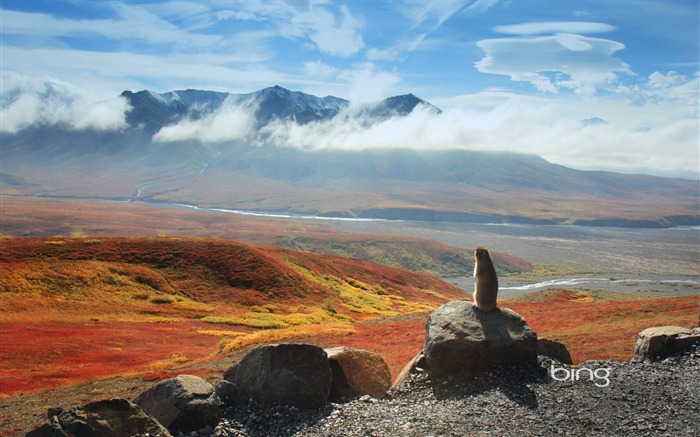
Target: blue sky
(521, 75)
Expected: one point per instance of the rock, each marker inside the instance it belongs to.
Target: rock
(283, 374)
(662, 341)
(183, 403)
(553, 349)
(106, 418)
(460, 337)
(226, 391)
(413, 366)
(357, 372)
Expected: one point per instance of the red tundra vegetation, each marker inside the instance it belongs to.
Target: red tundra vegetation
(79, 309)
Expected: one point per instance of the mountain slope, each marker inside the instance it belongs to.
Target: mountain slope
(231, 150)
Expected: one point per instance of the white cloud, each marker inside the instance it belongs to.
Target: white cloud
(319, 69)
(231, 122)
(665, 80)
(554, 27)
(28, 101)
(565, 60)
(332, 35)
(238, 15)
(367, 84)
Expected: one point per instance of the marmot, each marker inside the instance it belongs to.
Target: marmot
(485, 281)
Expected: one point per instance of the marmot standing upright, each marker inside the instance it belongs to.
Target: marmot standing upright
(485, 281)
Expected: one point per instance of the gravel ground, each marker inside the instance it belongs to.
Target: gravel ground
(659, 398)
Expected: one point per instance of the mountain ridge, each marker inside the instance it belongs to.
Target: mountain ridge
(230, 151)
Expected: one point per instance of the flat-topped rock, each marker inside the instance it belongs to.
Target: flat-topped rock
(662, 341)
(460, 337)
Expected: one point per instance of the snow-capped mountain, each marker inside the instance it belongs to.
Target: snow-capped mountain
(153, 111)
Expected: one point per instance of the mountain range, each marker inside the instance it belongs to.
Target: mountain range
(255, 152)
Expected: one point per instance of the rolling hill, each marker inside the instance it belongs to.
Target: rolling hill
(195, 278)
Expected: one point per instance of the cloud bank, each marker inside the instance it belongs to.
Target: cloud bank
(658, 137)
(26, 102)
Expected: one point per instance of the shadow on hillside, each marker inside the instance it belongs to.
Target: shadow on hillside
(513, 381)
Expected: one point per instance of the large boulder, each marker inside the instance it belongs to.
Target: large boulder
(662, 341)
(283, 374)
(357, 372)
(106, 418)
(460, 337)
(183, 403)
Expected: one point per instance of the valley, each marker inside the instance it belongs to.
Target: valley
(121, 294)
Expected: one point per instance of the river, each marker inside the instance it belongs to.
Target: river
(623, 259)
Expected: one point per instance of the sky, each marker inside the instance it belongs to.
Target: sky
(590, 84)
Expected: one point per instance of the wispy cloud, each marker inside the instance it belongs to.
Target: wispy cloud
(424, 18)
(334, 35)
(134, 23)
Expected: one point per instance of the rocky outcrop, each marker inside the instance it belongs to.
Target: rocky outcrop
(357, 372)
(283, 374)
(106, 418)
(184, 403)
(460, 337)
(554, 349)
(663, 341)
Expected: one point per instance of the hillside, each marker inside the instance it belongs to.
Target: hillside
(192, 277)
(46, 217)
(259, 151)
(125, 305)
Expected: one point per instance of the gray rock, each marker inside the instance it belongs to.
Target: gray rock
(663, 341)
(183, 403)
(554, 349)
(106, 418)
(357, 372)
(460, 337)
(283, 374)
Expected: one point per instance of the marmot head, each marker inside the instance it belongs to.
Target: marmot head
(481, 253)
